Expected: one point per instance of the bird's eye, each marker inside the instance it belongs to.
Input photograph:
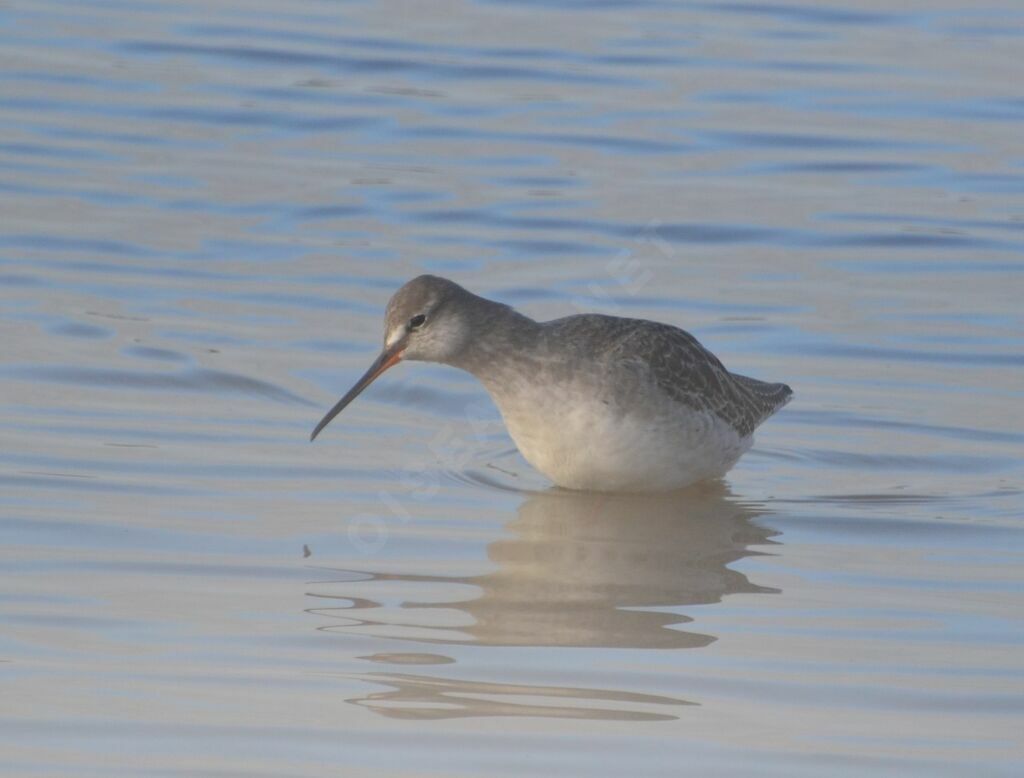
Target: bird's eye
(417, 321)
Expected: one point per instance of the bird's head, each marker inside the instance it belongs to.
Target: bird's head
(425, 322)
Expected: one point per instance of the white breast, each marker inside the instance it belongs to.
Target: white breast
(583, 442)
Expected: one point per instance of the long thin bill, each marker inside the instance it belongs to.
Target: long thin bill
(386, 359)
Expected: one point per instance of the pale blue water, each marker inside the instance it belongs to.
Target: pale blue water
(204, 209)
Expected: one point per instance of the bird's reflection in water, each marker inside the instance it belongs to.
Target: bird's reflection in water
(578, 562)
(411, 696)
(573, 573)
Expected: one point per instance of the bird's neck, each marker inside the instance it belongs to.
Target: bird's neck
(503, 342)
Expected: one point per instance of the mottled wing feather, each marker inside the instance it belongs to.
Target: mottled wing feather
(687, 372)
(770, 397)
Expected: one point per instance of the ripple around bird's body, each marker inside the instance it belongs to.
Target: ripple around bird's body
(205, 210)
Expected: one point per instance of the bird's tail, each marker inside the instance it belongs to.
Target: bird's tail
(768, 397)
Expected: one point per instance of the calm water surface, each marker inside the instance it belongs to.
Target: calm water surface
(206, 206)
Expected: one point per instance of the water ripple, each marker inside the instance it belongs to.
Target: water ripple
(189, 380)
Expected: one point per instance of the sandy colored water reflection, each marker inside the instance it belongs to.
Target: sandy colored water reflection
(424, 697)
(578, 570)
